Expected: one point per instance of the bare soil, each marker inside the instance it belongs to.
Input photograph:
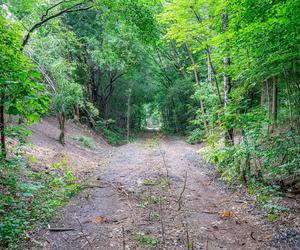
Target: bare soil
(155, 193)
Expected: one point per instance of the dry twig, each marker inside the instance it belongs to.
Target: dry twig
(84, 235)
(161, 221)
(183, 189)
(164, 161)
(123, 236)
(60, 229)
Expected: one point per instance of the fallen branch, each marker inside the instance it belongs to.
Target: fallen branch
(251, 235)
(60, 229)
(209, 212)
(93, 186)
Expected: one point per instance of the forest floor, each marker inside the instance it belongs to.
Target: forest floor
(154, 193)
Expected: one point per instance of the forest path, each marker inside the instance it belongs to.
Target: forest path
(156, 194)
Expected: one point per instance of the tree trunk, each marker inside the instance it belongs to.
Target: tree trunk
(274, 104)
(76, 115)
(196, 75)
(2, 123)
(105, 110)
(229, 138)
(61, 121)
(214, 74)
(288, 91)
(226, 81)
(128, 113)
(209, 69)
(2, 128)
(269, 106)
(262, 95)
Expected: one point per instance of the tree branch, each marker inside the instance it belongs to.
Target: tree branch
(50, 8)
(44, 19)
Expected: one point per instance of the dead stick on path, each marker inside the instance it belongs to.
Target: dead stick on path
(84, 235)
(60, 229)
(181, 194)
(150, 203)
(161, 221)
(123, 236)
(164, 161)
(209, 212)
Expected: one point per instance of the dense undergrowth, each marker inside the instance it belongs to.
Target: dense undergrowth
(266, 164)
(113, 134)
(30, 196)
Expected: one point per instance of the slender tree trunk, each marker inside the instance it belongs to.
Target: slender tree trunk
(269, 105)
(196, 75)
(290, 105)
(2, 123)
(128, 112)
(209, 69)
(177, 58)
(229, 138)
(61, 121)
(105, 110)
(214, 74)
(262, 95)
(175, 117)
(76, 115)
(2, 128)
(274, 104)
(226, 81)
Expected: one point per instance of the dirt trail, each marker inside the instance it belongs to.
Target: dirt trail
(156, 194)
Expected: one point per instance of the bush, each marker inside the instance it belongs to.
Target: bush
(28, 197)
(196, 136)
(113, 134)
(88, 142)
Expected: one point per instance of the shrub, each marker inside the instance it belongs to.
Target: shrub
(88, 142)
(28, 197)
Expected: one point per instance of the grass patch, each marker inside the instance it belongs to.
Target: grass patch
(161, 182)
(29, 198)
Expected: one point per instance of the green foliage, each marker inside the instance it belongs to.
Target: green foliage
(260, 39)
(58, 70)
(148, 241)
(20, 90)
(114, 135)
(257, 156)
(30, 197)
(128, 61)
(196, 136)
(88, 142)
